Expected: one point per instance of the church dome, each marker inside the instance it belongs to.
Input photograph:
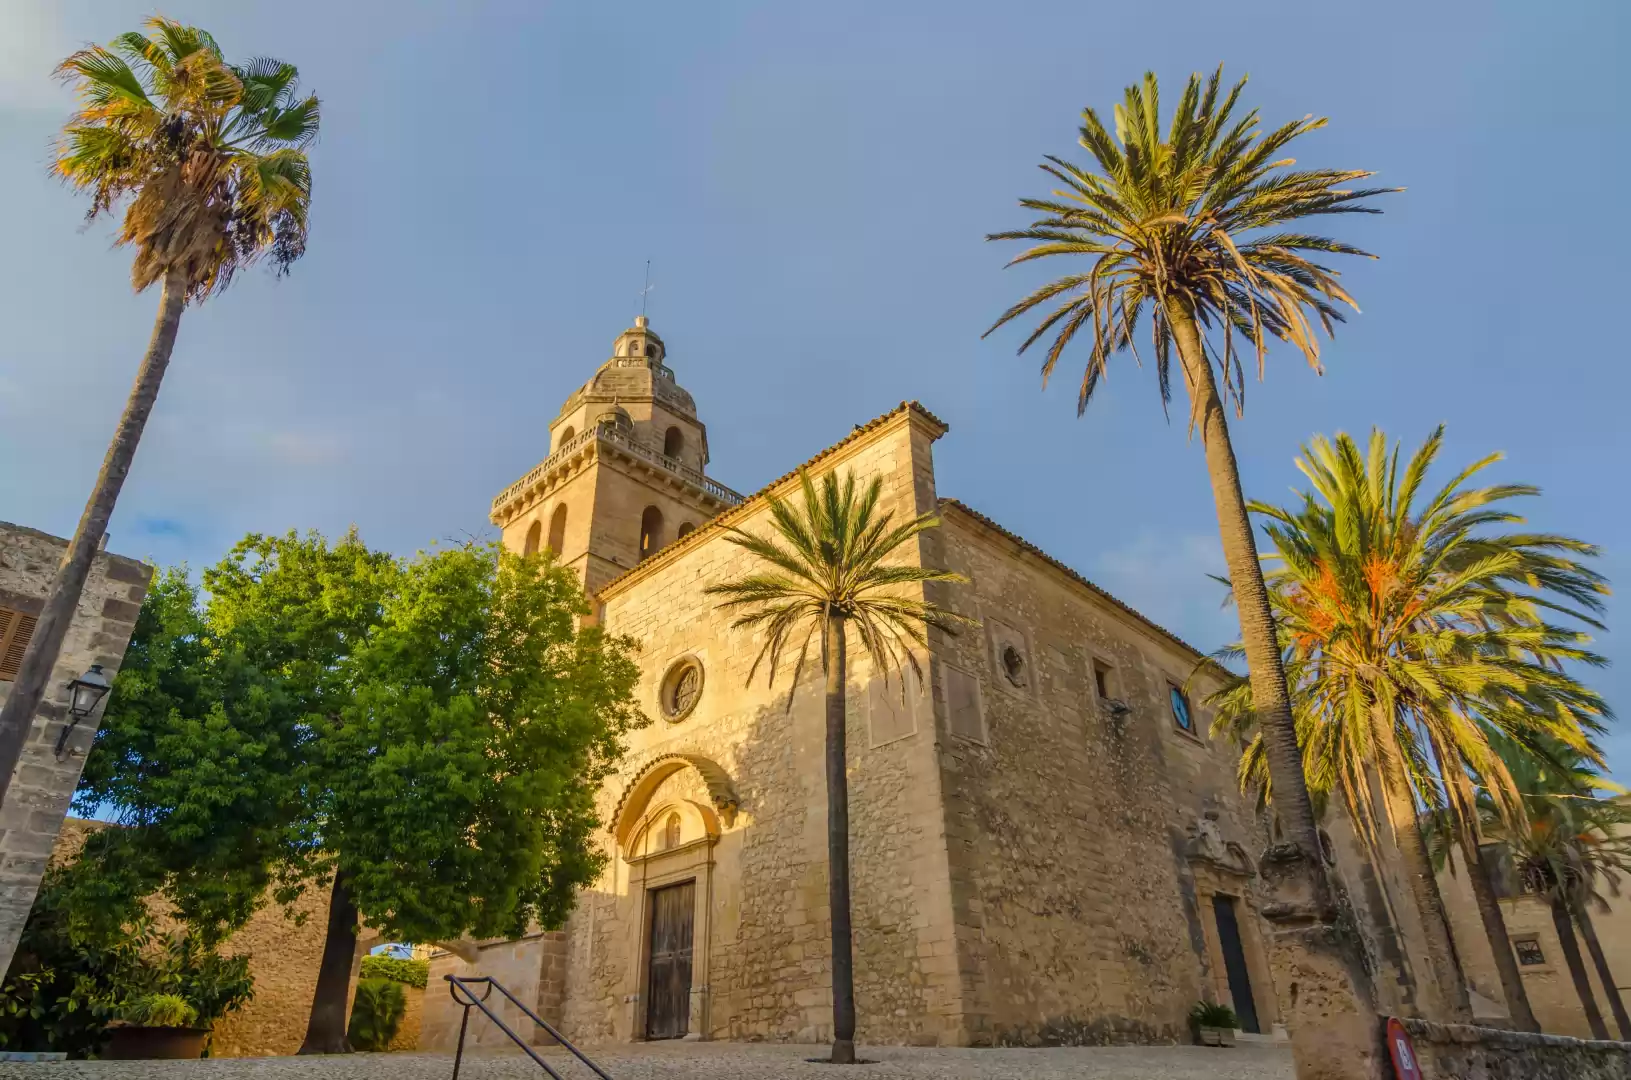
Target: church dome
(635, 372)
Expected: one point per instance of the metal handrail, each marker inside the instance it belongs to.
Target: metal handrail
(457, 983)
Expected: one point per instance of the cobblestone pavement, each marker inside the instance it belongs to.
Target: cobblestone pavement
(717, 1061)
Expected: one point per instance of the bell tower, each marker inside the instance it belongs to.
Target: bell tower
(625, 471)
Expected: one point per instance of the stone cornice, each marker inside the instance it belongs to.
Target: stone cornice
(588, 446)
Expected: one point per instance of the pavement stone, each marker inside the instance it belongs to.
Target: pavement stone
(716, 1061)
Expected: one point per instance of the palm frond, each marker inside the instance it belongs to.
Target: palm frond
(837, 556)
(1191, 216)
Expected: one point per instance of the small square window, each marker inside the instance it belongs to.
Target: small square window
(1529, 952)
(1180, 709)
(1101, 679)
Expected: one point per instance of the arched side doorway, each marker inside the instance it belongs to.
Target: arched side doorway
(1236, 960)
(665, 827)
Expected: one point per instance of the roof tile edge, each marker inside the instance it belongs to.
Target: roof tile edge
(1030, 548)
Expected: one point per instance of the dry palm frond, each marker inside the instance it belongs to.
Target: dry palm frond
(207, 158)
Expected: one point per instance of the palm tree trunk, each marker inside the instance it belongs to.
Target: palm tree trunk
(34, 673)
(1588, 930)
(325, 1029)
(1270, 698)
(1489, 908)
(1577, 966)
(1418, 868)
(843, 959)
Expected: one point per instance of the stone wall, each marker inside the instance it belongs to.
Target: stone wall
(1456, 1052)
(1087, 832)
(44, 782)
(532, 968)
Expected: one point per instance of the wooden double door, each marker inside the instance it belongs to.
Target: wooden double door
(668, 977)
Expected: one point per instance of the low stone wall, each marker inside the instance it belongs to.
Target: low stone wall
(1461, 1052)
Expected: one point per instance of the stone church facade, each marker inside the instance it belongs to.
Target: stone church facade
(1046, 845)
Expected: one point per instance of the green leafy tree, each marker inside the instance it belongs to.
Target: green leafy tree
(426, 736)
(1417, 635)
(1190, 225)
(838, 565)
(205, 161)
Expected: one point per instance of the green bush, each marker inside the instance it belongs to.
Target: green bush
(159, 1010)
(83, 962)
(407, 972)
(1211, 1014)
(376, 1013)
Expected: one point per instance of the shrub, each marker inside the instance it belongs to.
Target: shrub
(1211, 1014)
(376, 1013)
(407, 972)
(85, 960)
(159, 1010)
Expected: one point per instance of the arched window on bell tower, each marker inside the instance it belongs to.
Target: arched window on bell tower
(651, 528)
(531, 545)
(557, 529)
(673, 442)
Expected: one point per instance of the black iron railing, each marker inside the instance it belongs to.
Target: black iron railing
(458, 984)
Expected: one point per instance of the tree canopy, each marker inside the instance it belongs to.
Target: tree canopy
(435, 728)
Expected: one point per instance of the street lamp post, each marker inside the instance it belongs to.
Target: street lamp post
(85, 693)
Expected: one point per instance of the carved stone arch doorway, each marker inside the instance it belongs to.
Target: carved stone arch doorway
(665, 828)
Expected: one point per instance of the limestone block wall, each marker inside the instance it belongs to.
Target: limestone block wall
(762, 939)
(1087, 833)
(533, 968)
(44, 782)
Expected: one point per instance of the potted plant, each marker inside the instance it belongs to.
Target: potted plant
(163, 1026)
(174, 1001)
(1214, 1024)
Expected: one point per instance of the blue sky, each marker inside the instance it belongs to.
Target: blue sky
(812, 183)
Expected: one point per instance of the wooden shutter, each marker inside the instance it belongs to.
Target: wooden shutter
(15, 630)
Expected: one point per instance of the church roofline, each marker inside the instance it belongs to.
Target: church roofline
(665, 555)
(910, 410)
(976, 518)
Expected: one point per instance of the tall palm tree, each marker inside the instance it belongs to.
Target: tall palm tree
(1415, 634)
(1573, 842)
(835, 566)
(206, 162)
(1190, 225)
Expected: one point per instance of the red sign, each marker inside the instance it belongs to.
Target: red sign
(1402, 1050)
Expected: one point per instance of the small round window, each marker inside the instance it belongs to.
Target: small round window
(682, 686)
(1013, 665)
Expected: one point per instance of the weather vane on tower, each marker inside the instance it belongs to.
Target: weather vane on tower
(646, 291)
